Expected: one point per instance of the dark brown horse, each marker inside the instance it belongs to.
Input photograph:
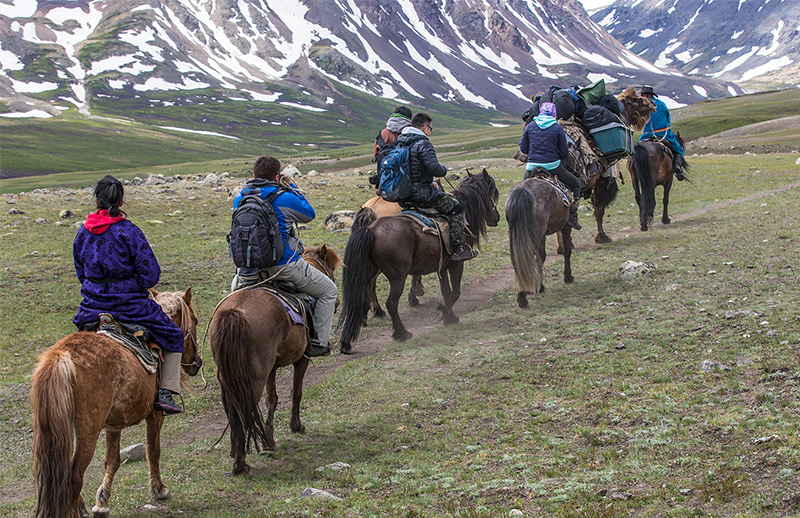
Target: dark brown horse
(252, 336)
(534, 210)
(652, 165)
(397, 246)
(386, 209)
(87, 382)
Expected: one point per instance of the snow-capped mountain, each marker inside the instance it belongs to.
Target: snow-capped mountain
(734, 40)
(490, 54)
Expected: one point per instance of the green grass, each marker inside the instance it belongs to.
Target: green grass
(536, 410)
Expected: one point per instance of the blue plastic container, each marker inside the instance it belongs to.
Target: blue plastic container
(612, 139)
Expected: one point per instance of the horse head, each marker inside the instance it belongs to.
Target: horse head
(478, 194)
(178, 307)
(323, 259)
(637, 109)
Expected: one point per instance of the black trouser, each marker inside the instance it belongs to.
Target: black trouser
(568, 179)
(449, 207)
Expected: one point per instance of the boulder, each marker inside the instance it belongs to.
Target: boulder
(340, 221)
(291, 171)
(629, 270)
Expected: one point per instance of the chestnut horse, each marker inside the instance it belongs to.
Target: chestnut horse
(534, 210)
(252, 336)
(651, 165)
(397, 246)
(87, 382)
(386, 209)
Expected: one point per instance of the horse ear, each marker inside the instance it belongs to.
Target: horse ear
(154, 293)
(485, 173)
(187, 296)
(323, 251)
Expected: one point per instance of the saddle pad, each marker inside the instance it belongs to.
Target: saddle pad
(423, 221)
(566, 194)
(112, 329)
(294, 306)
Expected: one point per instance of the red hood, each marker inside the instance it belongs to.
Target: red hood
(98, 222)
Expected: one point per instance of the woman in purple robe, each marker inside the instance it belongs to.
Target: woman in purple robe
(116, 268)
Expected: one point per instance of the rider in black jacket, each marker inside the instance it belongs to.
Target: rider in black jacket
(424, 166)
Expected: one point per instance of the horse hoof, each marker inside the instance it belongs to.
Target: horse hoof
(560, 251)
(644, 228)
(602, 238)
(345, 348)
(522, 300)
(240, 469)
(379, 313)
(100, 512)
(413, 302)
(666, 221)
(402, 336)
(163, 494)
(298, 429)
(569, 280)
(451, 320)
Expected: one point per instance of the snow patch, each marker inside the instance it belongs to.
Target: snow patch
(199, 132)
(39, 114)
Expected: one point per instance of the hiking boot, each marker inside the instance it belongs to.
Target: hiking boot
(316, 349)
(573, 219)
(166, 404)
(463, 253)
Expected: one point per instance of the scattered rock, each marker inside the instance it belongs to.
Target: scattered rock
(797, 162)
(62, 224)
(742, 312)
(154, 179)
(34, 253)
(318, 493)
(336, 466)
(768, 438)
(133, 453)
(743, 360)
(15, 211)
(620, 495)
(685, 491)
(340, 221)
(66, 214)
(515, 512)
(711, 365)
(136, 181)
(673, 287)
(312, 173)
(41, 220)
(630, 270)
(291, 171)
(211, 179)
(620, 346)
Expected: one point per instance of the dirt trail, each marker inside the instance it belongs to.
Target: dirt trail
(418, 320)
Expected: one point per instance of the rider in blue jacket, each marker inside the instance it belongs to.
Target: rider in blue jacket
(291, 207)
(659, 128)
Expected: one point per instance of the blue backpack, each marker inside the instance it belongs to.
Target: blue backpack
(395, 184)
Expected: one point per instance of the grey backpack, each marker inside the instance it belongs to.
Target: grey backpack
(255, 239)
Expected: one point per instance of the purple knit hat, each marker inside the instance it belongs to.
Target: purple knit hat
(547, 109)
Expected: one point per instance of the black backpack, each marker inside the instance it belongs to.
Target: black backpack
(255, 239)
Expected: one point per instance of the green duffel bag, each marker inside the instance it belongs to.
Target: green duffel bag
(590, 94)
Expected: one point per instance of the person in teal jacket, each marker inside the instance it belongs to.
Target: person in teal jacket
(659, 127)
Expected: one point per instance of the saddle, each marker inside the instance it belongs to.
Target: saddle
(542, 175)
(664, 147)
(134, 337)
(299, 306)
(433, 223)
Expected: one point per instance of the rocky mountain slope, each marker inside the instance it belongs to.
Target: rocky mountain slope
(304, 54)
(734, 40)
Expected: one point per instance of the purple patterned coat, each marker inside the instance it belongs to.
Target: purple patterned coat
(115, 269)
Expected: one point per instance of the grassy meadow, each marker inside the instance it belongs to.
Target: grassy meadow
(590, 403)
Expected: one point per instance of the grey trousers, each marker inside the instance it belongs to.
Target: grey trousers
(311, 281)
(170, 377)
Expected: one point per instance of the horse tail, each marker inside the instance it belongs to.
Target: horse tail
(53, 433)
(356, 278)
(524, 238)
(229, 342)
(647, 203)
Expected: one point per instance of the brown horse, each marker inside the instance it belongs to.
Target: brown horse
(387, 209)
(534, 210)
(652, 165)
(251, 337)
(87, 382)
(398, 247)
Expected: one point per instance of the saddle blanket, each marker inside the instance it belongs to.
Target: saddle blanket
(561, 189)
(147, 354)
(436, 226)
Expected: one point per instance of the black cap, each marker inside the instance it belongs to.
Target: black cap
(647, 90)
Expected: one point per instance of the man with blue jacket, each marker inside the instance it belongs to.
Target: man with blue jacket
(291, 207)
(659, 128)
(545, 143)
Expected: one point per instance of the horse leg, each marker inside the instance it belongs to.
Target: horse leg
(560, 247)
(522, 299)
(397, 284)
(566, 233)
(272, 404)
(296, 426)
(454, 290)
(413, 301)
(541, 249)
(101, 508)
(416, 285)
(84, 451)
(377, 311)
(158, 491)
(599, 214)
(665, 201)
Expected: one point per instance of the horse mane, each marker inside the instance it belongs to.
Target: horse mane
(637, 108)
(475, 193)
